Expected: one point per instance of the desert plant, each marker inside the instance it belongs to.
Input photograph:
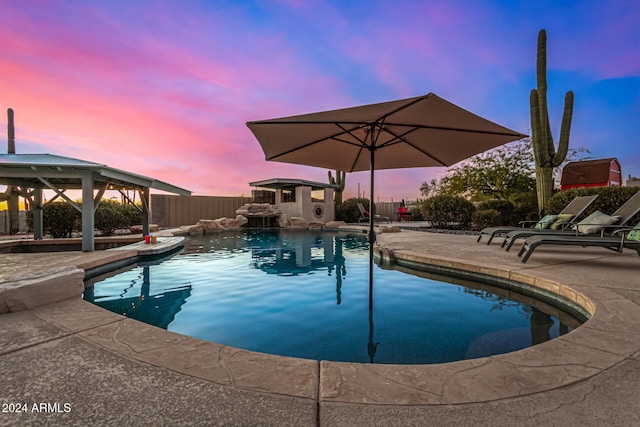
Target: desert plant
(132, 215)
(60, 219)
(446, 211)
(505, 208)
(546, 156)
(339, 180)
(482, 218)
(525, 206)
(112, 215)
(13, 201)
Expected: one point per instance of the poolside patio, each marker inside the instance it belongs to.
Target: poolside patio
(113, 371)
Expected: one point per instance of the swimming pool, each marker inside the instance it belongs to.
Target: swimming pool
(306, 294)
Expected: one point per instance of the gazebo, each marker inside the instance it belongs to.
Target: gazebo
(310, 200)
(33, 173)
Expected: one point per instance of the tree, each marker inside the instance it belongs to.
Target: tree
(429, 188)
(504, 173)
(501, 173)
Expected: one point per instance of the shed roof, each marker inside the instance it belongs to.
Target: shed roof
(66, 173)
(588, 171)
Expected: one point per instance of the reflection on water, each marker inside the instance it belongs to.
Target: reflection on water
(158, 309)
(305, 295)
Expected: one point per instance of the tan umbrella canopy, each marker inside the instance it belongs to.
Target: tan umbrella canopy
(414, 132)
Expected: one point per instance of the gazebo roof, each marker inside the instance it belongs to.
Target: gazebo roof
(26, 170)
(276, 183)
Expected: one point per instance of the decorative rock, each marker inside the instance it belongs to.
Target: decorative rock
(227, 223)
(242, 220)
(196, 230)
(137, 229)
(41, 288)
(388, 229)
(316, 226)
(335, 224)
(297, 222)
(283, 221)
(209, 225)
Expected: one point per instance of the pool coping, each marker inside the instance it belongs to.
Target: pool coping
(608, 338)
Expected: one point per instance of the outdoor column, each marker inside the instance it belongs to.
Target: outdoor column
(38, 217)
(145, 197)
(88, 224)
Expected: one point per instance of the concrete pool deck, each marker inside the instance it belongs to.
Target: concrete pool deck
(113, 370)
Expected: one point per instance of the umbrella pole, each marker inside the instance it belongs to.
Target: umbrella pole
(372, 235)
(371, 347)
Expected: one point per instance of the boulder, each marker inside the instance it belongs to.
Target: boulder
(227, 223)
(241, 220)
(335, 224)
(209, 225)
(388, 229)
(283, 221)
(196, 230)
(137, 229)
(316, 226)
(296, 222)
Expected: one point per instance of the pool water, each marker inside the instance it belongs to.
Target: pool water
(305, 294)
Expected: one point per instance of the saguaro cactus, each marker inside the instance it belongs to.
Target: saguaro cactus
(11, 133)
(339, 181)
(546, 155)
(13, 201)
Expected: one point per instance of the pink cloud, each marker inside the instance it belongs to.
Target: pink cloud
(165, 91)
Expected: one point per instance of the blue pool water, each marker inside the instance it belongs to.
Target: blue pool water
(306, 295)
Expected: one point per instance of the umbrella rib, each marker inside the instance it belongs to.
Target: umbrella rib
(334, 137)
(400, 138)
(448, 128)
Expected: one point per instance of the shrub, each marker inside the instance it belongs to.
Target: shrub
(525, 207)
(132, 215)
(482, 218)
(609, 199)
(504, 208)
(445, 211)
(60, 219)
(108, 217)
(348, 210)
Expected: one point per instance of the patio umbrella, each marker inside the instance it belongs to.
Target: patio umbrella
(415, 132)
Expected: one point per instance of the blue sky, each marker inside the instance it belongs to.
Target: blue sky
(164, 88)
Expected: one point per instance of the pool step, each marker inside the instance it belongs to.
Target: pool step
(162, 245)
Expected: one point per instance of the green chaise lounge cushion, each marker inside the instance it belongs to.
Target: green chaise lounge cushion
(635, 233)
(545, 222)
(561, 220)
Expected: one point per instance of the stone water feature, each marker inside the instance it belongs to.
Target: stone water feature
(262, 215)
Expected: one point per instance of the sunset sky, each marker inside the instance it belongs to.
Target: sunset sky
(164, 88)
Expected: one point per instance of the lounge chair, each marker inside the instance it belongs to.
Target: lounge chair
(403, 214)
(625, 213)
(364, 215)
(613, 242)
(568, 214)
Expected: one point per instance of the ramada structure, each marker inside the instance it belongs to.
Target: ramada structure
(33, 173)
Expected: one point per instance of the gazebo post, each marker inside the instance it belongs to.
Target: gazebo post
(88, 223)
(38, 217)
(145, 198)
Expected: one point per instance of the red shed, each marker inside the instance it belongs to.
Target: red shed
(591, 173)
